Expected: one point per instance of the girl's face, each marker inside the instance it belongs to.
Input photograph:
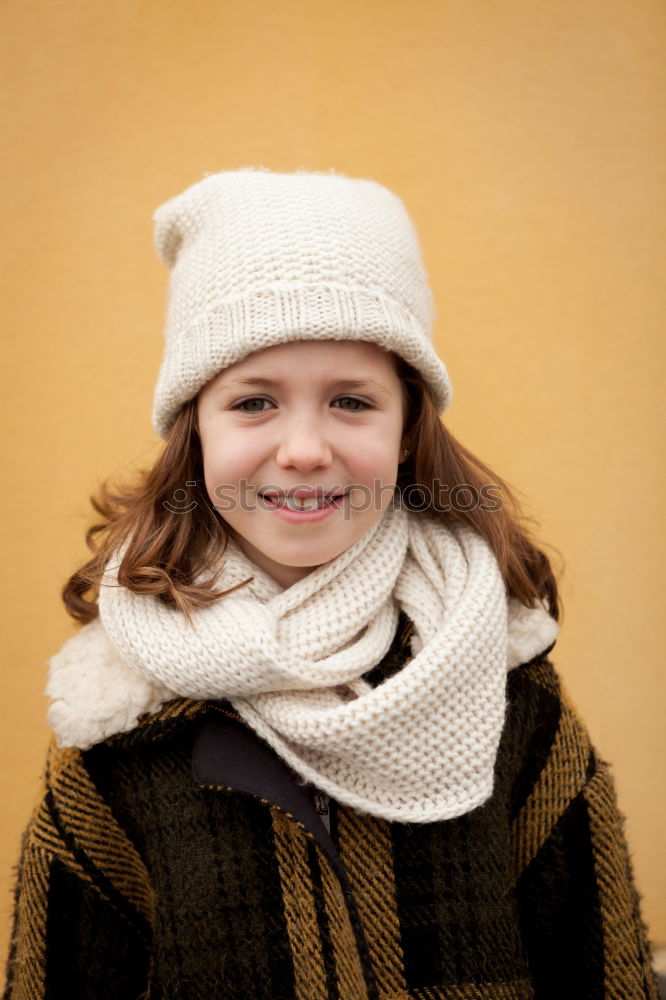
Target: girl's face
(308, 420)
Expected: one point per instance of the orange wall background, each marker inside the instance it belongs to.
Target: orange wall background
(527, 139)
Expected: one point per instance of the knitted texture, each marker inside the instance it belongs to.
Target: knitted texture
(422, 746)
(135, 881)
(259, 258)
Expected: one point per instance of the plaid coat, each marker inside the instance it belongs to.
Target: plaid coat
(183, 860)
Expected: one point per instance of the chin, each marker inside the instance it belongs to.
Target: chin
(307, 560)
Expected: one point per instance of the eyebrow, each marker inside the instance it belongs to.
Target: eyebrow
(269, 383)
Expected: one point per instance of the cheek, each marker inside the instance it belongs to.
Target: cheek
(376, 457)
(231, 460)
(376, 472)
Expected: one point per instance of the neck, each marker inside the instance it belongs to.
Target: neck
(284, 576)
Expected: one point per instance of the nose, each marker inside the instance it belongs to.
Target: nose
(304, 446)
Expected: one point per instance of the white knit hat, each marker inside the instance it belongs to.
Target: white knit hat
(258, 258)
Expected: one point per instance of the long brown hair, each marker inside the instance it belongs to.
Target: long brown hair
(172, 531)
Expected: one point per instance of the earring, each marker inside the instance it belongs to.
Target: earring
(407, 452)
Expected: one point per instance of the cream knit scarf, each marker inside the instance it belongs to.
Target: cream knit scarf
(419, 747)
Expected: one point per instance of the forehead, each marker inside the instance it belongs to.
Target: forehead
(325, 359)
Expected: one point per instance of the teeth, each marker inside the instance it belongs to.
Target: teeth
(303, 503)
(299, 503)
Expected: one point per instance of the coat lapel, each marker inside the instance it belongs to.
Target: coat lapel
(227, 754)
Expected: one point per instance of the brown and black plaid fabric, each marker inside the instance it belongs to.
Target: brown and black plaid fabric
(136, 882)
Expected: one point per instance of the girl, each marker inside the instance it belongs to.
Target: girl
(309, 741)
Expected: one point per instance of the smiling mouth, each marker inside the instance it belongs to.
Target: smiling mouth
(301, 503)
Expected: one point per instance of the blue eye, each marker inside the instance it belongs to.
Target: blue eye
(252, 399)
(360, 404)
